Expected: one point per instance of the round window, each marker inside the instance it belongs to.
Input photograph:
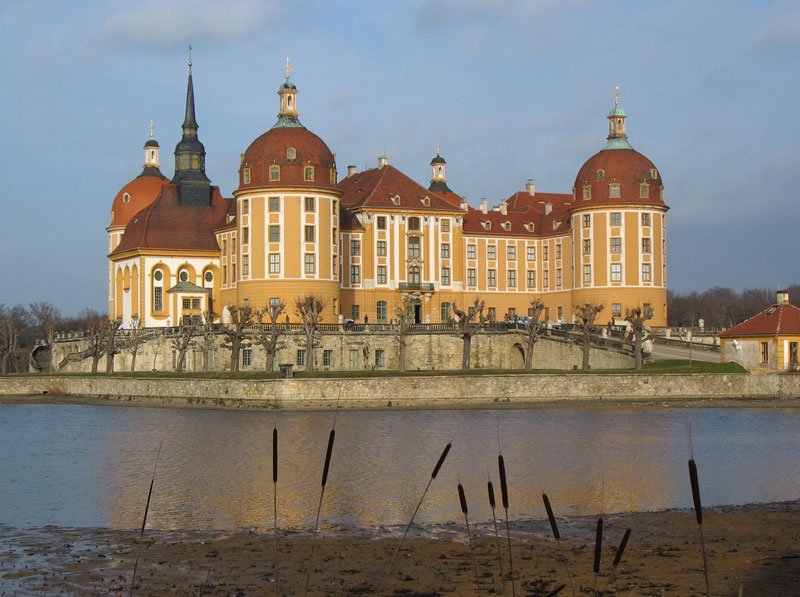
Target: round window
(126, 198)
(183, 276)
(209, 277)
(157, 275)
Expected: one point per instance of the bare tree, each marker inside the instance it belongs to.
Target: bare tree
(46, 318)
(636, 317)
(533, 331)
(110, 347)
(136, 338)
(269, 334)
(236, 332)
(400, 331)
(181, 343)
(309, 309)
(91, 323)
(206, 338)
(12, 322)
(469, 324)
(586, 314)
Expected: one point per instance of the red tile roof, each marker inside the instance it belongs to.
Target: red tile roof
(627, 167)
(141, 192)
(778, 320)
(347, 221)
(375, 188)
(523, 209)
(166, 224)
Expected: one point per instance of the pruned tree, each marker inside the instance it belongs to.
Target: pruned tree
(236, 332)
(269, 334)
(400, 331)
(309, 309)
(469, 323)
(108, 338)
(181, 343)
(206, 338)
(586, 314)
(636, 317)
(532, 331)
(91, 323)
(136, 338)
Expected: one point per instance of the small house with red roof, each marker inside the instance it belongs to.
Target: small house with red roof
(767, 341)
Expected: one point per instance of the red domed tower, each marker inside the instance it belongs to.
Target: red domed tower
(284, 240)
(619, 228)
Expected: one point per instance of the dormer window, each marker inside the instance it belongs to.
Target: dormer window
(291, 153)
(653, 173)
(487, 225)
(396, 199)
(426, 201)
(556, 225)
(587, 192)
(601, 175)
(274, 173)
(644, 191)
(308, 173)
(529, 227)
(613, 191)
(245, 175)
(126, 198)
(506, 226)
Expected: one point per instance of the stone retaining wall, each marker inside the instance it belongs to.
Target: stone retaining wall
(407, 392)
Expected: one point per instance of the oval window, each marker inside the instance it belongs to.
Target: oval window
(291, 153)
(209, 277)
(183, 276)
(126, 198)
(158, 276)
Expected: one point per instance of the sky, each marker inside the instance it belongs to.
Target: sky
(512, 89)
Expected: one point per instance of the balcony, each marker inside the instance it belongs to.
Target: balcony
(425, 286)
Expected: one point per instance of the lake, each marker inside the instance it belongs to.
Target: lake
(90, 465)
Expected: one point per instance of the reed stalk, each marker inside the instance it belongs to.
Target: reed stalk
(464, 510)
(618, 557)
(496, 533)
(275, 504)
(325, 469)
(557, 536)
(144, 521)
(698, 511)
(598, 546)
(435, 472)
(504, 496)
(556, 591)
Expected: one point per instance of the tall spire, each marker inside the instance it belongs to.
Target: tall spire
(190, 156)
(617, 137)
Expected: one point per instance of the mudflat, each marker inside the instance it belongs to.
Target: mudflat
(753, 548)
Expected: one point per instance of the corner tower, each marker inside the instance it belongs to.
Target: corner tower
(194, 187)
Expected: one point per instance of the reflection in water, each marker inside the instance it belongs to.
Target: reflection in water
(77, 465)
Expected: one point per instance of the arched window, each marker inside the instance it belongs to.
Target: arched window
(158, 291)
(126, 198)
(183, 275)
(382, 311)
(413, 223)
(413, 275)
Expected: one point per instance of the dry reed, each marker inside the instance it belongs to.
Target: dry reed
(496, 532)
(698, 510)
(435, 472)
(144, 520)
(557, 536)
(598, 546)
(504, 496)
(325, 470)
(465, 511)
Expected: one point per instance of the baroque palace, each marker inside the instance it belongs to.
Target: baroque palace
(371, 241)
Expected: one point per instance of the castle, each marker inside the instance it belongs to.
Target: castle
(372, 241)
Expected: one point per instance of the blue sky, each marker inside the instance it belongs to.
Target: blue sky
(512, 89)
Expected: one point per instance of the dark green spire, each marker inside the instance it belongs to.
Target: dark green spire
(190, 157)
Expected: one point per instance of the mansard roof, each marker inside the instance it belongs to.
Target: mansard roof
(389, 188)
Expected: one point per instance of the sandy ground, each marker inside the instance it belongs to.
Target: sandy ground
(755, 549)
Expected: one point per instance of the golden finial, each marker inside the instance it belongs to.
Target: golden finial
(288, 68)
(617, 96)
(190, 59)
(152, 129)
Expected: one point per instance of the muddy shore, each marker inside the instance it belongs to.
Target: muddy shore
(756, 547)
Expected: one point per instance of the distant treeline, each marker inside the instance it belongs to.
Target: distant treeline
(722, 307)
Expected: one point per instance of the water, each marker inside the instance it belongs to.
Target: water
(89, 466)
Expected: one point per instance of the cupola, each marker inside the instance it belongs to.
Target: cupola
(287, 116)
(438, 172)
(194, 187)
(617, 137)
(151, 147)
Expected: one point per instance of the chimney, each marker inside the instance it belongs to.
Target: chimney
(783, 297)
(351, 170)
(548, 209)
(383, 161)
(484, 206)
(530, 187)
(464, 206)
(504, 208)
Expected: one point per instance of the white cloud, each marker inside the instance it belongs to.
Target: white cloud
(179, 22)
